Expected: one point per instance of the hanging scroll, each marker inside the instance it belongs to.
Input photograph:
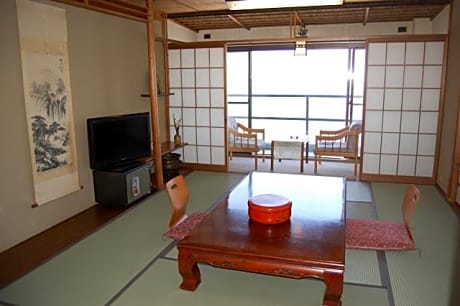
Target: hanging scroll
(45, 70)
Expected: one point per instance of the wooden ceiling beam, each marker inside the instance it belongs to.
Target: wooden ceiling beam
(346, 5)
(119, 6)
(112, 7)
(366, 16)
(122, 4)
(297, 17)
(292, 23)
(235, 20)
(186, 5)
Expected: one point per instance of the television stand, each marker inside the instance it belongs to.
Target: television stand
(123, 167)
(121, 186)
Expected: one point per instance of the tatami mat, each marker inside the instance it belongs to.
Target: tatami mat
(364, 296)
(207, 187)
(359, 191)
(414, 273)
(123, 262)
(362, 267)
(227, 288)
(220, 287)
(359, 210)
(91, 271)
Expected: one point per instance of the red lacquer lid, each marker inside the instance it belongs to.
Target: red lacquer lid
(269, 208)
(269, 202)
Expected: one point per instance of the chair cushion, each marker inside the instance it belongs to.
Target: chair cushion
(377, 235)
(181, 230)
(355, 125)
(232, 123)
(261, 144)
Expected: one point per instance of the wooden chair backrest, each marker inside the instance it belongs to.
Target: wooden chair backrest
(178, 196)
(411, 198)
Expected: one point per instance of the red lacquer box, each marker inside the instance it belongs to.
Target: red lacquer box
(269, 208)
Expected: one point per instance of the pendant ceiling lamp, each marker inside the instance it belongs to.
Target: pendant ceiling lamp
(300, 48)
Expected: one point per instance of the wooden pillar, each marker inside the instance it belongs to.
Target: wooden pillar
(455, 168)
(154, 98)
(164, 37)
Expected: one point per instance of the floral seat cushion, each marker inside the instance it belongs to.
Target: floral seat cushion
(181, 230)
(377, 235)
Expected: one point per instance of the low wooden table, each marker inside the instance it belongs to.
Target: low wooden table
(294, 147)
(310, 244)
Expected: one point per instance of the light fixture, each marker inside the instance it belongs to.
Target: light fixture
(300, 47)
(260, 4)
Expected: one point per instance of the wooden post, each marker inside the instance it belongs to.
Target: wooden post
(164, 27)
(155, 123)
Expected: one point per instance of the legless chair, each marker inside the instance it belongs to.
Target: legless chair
(410, 203)
(384, 235)
(180, 225)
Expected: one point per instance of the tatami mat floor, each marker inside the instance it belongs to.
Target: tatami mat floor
(128, 262)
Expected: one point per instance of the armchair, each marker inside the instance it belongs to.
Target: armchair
(343, 143)
(242, 139)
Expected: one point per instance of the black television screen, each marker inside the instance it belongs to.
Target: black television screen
(118, 140)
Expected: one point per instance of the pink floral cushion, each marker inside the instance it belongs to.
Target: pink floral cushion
(181, 230)
(377, 235)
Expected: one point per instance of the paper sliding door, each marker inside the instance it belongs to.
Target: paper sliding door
(402, 109)
(197, 85)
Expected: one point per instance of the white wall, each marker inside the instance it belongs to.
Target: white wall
(440, 24)
(314, 31)
(179, 33)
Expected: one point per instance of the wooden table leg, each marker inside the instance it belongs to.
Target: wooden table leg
(189, 270)
(334, 288)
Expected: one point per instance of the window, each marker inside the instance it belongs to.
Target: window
(272, 88)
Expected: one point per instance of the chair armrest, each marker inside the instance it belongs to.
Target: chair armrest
(334, 137)
(241, 136)
(252, 130)
(326, 132)
(342, 135)
(346, 140)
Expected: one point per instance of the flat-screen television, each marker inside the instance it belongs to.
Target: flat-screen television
(115, 141)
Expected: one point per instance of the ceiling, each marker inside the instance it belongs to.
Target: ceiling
(199, 15)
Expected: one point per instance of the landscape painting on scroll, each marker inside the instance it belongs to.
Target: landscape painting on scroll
(48, 103)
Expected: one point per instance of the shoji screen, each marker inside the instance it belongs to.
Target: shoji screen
(197, 82)
(402, 108)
